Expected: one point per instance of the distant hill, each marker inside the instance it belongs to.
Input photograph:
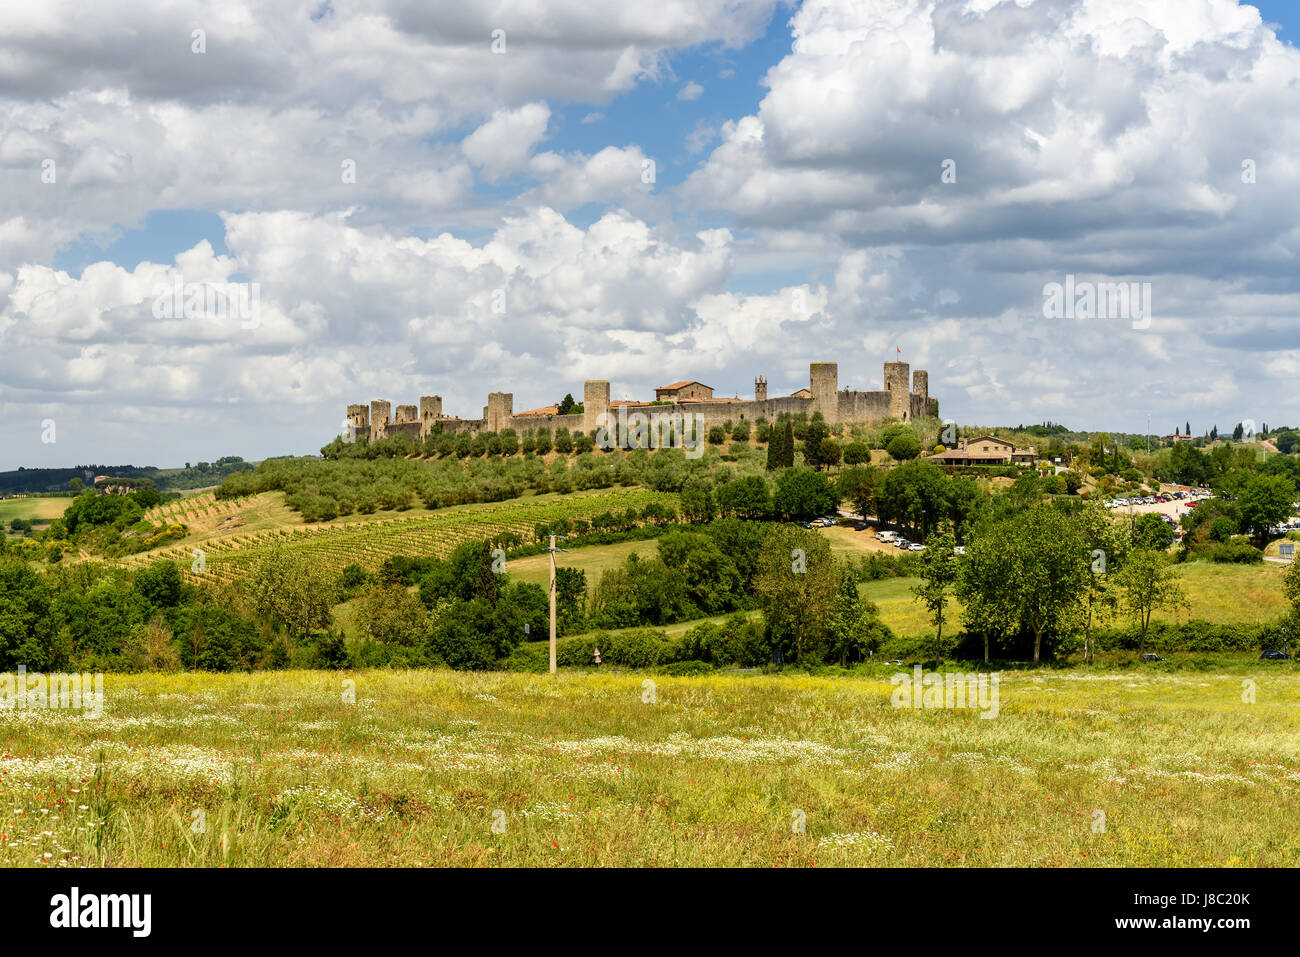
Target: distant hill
(202, 475)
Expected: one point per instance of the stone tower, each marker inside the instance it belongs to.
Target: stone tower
(760, 389)
(500, 410)
(595, 403)
(358, 422)
(825, 387)
(430, 413)
(406, 413)
(921, 387)
(900, 402)
(380, 416)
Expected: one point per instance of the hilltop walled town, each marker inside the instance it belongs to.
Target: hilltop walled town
(906, 396)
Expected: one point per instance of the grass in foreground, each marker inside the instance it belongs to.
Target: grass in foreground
(274, 769)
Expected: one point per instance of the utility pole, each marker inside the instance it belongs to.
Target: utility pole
(552, 550)
(552, 553)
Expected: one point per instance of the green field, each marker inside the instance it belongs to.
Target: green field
(595, 560)
(37, 509)
(1222, 594)
(276, 769)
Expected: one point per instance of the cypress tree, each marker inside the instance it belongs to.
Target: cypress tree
(775, 438)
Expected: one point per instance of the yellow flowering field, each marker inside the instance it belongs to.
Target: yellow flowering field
(436, 768)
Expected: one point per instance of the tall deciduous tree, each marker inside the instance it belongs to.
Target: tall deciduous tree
(817, 433)
(390, 614)
(797, 580)
(296, 590)
(859, 486)
(1108, 544)
(1265, 500)
(964, 499)
(914, 494)
(1027, 572)
(854, 623)
(1148, 582)
(803, 494)
(938, 579)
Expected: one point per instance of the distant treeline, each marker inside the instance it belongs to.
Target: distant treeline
(46, 481)
(40, 481)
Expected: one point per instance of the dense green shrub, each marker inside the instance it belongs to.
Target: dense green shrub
(1195, 635)
(681, 668)
(1227, 552)
(737, 641)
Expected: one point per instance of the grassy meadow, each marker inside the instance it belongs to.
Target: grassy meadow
(275, 769)
(36, 508)
(1222, 594)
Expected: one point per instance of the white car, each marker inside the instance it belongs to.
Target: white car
(916, 547)
(959, 550)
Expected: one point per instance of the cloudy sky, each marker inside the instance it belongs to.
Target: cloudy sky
(457, 198)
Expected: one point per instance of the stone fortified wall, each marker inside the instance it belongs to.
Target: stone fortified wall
(896, 401)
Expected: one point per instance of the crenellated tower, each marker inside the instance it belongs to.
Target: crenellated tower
(896, 384)
(825, 387)
(595, 403)
(380, 415)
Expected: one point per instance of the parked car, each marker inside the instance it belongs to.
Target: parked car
(1150, 657)
(1275, 655)
(916, 547)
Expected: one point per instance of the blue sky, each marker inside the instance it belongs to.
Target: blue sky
(797, 212)
(653, 114)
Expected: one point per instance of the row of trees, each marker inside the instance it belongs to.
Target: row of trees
(1048, 572)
